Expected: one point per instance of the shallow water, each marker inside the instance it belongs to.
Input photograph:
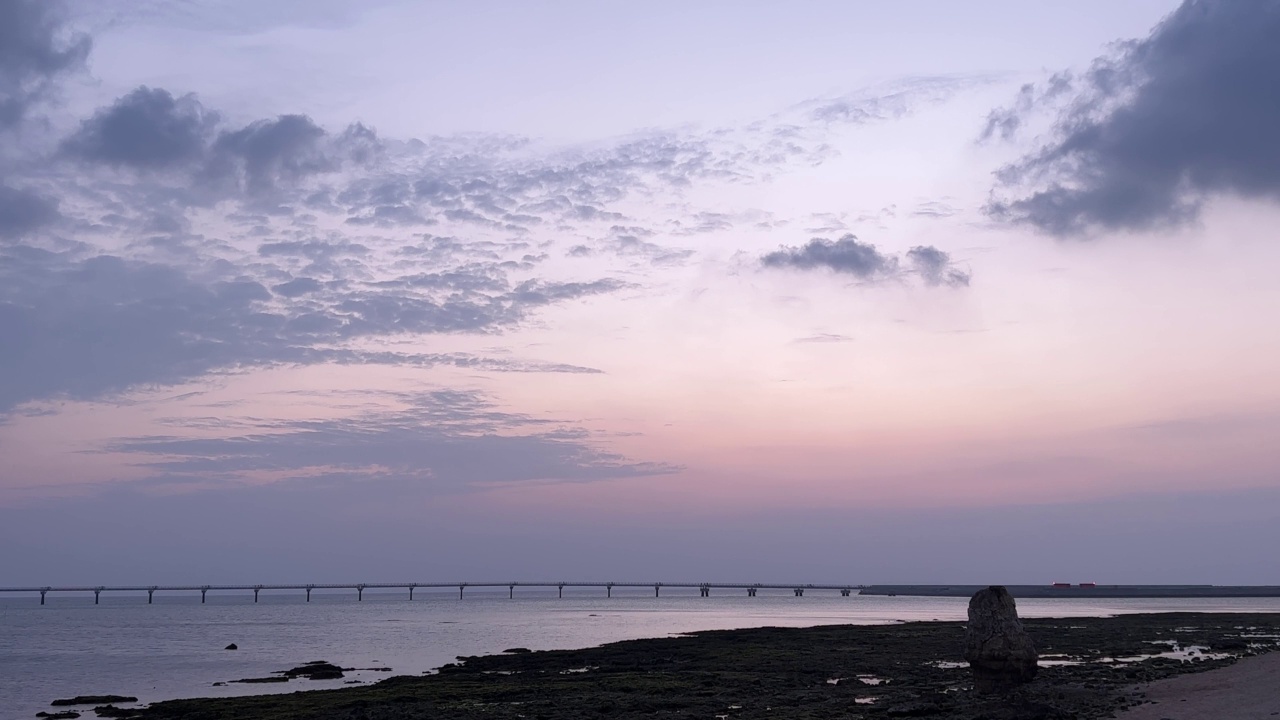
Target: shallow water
(173, 648)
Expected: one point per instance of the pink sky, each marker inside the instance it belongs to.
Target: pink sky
(907, 264)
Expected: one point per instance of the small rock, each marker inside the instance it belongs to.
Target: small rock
(315, 670)
(272, 679)
(999, 650)
(232, 646)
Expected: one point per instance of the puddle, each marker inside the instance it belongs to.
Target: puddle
(865, 700)
(1176, 652)
(864, 679)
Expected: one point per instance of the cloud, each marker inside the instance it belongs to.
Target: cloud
(847, 256)
(296, 288)
(267, 153)
(822, 338)
(34, 52)
(89, 327)
(1004, 123)
(1151, 133)
(935, 267)
(22, 211)
(145, 129)
(888, 101)
(449, 440)
(850, 256)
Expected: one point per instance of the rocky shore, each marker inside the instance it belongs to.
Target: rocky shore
(1088, 668)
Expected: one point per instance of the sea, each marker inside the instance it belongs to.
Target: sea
(174, 648)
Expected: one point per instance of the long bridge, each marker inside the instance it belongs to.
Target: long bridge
(703, 588)
(1053, 590)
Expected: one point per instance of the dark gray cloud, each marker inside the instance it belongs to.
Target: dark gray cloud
(449, 440)
(34, 51)
(847, 255)
(1152, 132)
(262, 155)
(22, 211)
(864, 261)
(86, 328)
(935, 267)
(145, 129)
(272, 167)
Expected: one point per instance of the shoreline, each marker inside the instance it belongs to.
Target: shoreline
(1089, 668)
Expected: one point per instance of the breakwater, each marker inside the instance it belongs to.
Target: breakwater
(1084, 591)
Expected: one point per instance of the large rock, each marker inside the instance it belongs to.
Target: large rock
(997, 647)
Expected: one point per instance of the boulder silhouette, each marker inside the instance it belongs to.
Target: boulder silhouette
(232, 646)
(999, 650)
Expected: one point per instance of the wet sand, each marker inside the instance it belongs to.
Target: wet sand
(1247, 690)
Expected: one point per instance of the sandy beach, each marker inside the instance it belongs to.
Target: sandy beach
(1247, 690)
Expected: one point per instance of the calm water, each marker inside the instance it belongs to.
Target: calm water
(174, 648)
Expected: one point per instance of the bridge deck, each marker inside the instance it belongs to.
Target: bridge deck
(704, 588)
(405, 586)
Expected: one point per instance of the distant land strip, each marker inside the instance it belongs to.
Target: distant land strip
(1053, 590)
(1084, 590)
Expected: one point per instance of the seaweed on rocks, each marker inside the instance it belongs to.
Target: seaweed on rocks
(111, 711)
(93, 700)
(785, 672)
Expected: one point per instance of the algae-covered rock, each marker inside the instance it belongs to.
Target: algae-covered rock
(997, 647)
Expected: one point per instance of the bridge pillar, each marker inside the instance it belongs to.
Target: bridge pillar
(150, 593)
(846, 592)
(705, 591)
(751, 592)
(360, 592)
(608, 590)
(308, 589)
(95, 595)
(562, 591)
(411, 591)
(511, 592)
(460, 587)
(203, 590)
(799, 592)
(655, 589)
(255, 594)
(42, 592)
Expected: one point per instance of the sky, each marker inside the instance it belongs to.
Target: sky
(339, 291)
